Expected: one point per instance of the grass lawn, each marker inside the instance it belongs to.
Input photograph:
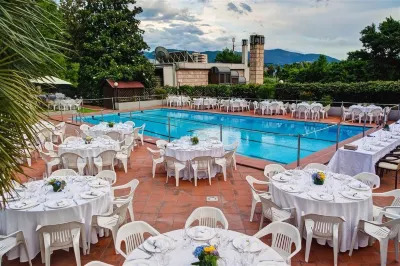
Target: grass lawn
(85, 110)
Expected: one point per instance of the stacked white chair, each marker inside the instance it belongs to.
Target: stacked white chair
(370, 179)
(174, 165)
(293, 108)
(356, 113)
(322, 227)
(256, 193)
(235, 105)
(318, 166)
(284, 235)
(157, 158)
(383, 232)
(61, 236)
(133, 235)
(315, 110)
(302, 109)
(275, 213)
(374, 115)
(201, 164)
(207, 216)
(13, 240)
(108, 175)
(274, 108)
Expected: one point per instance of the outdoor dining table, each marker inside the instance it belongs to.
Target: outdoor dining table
(38, 204)
(370, 149)
(341, 196)
(180, 247)
(365, 109)
(103, 129)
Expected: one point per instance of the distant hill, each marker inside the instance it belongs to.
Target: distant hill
(274, 56)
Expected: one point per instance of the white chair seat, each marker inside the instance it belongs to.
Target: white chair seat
(376, 231)
(107, 221)
(120, 156)
(389, 166)
(7, 244)
(278, 215)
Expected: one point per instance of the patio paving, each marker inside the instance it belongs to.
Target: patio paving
(167, 207)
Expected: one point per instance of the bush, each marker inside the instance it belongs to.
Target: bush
(160, 91)
(360, 92)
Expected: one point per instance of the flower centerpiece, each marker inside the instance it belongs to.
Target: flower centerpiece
(88, 139)
(207, 255)
(57, 184)
(194, 140)
(386, 127)
(318, 178)
(111, 124)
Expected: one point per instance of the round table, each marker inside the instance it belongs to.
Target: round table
(103, 128)
(365, 109)
(335, 184)
(183, 150)
(79, 209)
(309, 106)
(182, 254)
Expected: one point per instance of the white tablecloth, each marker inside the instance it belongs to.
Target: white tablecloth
(184, 151)
(365, 109)
(27, 220)
(97, 146)
(351, 210)
(361, 160)
(309, 106)
(103, 128)
(180, 256)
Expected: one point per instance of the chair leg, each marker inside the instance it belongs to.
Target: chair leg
(224, 172)
(125, 164)
(395, 185)
(253, 208)
(77, 254)
(154, 169)
(308, 245)
(177, 178)
(335, 249)
(131, 214)
(47, 256)
(26, 251)
(353, 241)
(261, 221)
(195, 178)
(396, 247)
(383, 250)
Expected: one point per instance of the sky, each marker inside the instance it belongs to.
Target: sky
(330, 27)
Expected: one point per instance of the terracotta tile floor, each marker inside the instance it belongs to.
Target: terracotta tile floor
(167, 207)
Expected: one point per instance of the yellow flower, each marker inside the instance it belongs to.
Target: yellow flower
(209, 249)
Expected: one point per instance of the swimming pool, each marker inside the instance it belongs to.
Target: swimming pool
(263, 138)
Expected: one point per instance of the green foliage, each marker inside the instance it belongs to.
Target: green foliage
(25, 53)
(228, 56)
(369, 92)
(107, 43)
(326, 100)
(160, 91)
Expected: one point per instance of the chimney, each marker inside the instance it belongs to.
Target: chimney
(256, 59)
(245, 53)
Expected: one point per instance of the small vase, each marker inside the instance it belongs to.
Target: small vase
(58, 188)
(318, 182)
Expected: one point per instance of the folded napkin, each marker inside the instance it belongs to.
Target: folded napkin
(23, 204)
(93, 193)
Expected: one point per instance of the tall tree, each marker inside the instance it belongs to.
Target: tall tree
(25, 53)
(228, 56)
(108, 43)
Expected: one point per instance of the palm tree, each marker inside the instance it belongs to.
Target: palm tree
(24, 54)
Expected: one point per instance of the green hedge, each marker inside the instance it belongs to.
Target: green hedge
(263, 91)
(361, 92)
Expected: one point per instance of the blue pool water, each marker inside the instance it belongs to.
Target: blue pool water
(263, 138)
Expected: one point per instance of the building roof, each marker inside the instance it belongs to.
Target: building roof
(234, 74)
(50, 80)
(220, 69)
(125, 84)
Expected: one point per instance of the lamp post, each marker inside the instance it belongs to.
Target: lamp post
(112, 98)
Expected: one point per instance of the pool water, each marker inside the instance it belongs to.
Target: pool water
(263, 138)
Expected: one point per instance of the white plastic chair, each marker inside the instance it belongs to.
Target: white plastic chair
(370, 179)
(322, 227)
(122, 199)
(138, 133)
(161, 144)
(315, 110)
(374, 115)
(345, 113)
(272, 169)
(13, 240)
(61, 236)
(115, 135)
(293, 109)
(51, 148)
(256, 193)
(392, 211)
(356, 113)
(275, 213)
(64, 172)
(256, 106)
(50, 162)
(130, 123)
(124, 155)
(235, 105)
(274, 107)
(284, 235)
(71, 160)
(324, 111)
(225, 162)
(232, 147)
(110, 221)
(97, 263)
(318, 166)
(59, 132)
(133, 235)
(207, 216)
(108, 175)
(301, 109)
(156, 158)
(84, 127)
(201, 164)
(105, 159)
(174, 165)
(382, 232)
(71, 139)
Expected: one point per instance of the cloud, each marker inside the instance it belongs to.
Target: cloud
(246, 7)
(234, 8)
(160, 11)
(184, 29)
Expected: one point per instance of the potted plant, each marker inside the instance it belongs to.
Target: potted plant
(318, 178)
(57, 184)
(111, 124)
(194, 140)
(88, 139)
(207, 255)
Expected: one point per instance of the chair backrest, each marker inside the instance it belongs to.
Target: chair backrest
(84, 127)
(161, 144)
(60, 235)
(327, 108)
(202, 162)
(47, 133)
(64, 172)
(49, 146)
(323, 226)
(316, 108)
(207, 216)
(154, 154)
(394, 226)
(136, 132)
(70, 139)
(133, 235)
(317, 166)
(302, 108)
(370, 179)
(115, 135)
(121, 212)
(70, 160)
(251, 181)
(97, 263)
(130, 123)
(132, 185)
(272, 169)
(141, 131)
(268, 207)
(107, 157)
(108, 175)
(255, 104)
(170, 161)
(284, 235)
(77, 133)
(356, 111)
(229, 156)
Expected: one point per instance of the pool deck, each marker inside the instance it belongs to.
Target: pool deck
(323, 156)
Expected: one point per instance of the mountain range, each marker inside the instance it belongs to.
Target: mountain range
(274, 56)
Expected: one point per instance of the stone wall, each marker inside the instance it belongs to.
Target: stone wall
(257, 64)
(193, 77)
